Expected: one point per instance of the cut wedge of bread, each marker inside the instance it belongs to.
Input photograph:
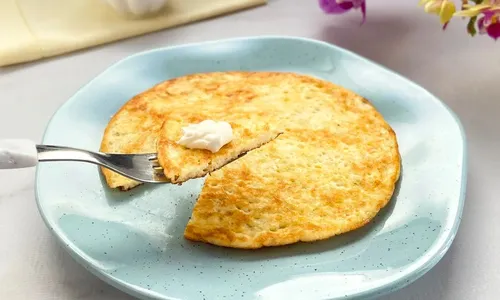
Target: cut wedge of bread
(181, 164)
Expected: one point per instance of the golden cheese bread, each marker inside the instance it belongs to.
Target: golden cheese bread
(332, 169)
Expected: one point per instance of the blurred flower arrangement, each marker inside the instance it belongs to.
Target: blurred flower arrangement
(483, 15)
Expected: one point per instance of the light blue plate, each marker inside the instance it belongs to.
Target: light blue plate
(134, 240)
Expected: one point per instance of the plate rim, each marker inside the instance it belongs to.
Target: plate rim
(426, 263)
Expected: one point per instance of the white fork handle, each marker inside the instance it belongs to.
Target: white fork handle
(17, 154)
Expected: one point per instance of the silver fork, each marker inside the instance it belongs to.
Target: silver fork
(16, 154)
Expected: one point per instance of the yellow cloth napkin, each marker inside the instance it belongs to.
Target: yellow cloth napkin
(34, 29)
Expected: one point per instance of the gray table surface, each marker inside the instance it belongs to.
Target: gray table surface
(460, 70)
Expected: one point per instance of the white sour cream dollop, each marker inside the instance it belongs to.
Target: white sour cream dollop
(209, 135)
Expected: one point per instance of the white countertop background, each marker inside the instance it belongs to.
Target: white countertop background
(464, 72)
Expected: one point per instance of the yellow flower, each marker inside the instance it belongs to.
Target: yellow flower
(474, 10)
(443, 8)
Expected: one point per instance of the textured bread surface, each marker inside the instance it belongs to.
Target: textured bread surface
(181, 164)
(331, 171)
(134, 129)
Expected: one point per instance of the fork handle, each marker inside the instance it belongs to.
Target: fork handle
(61, 153)
(16, 154)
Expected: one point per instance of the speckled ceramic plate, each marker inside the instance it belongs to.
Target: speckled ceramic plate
(133, 240)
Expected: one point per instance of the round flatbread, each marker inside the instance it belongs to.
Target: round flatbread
(332, 169)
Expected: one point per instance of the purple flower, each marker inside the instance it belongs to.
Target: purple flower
(342, 6)
(489, 23)
(487, 13)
